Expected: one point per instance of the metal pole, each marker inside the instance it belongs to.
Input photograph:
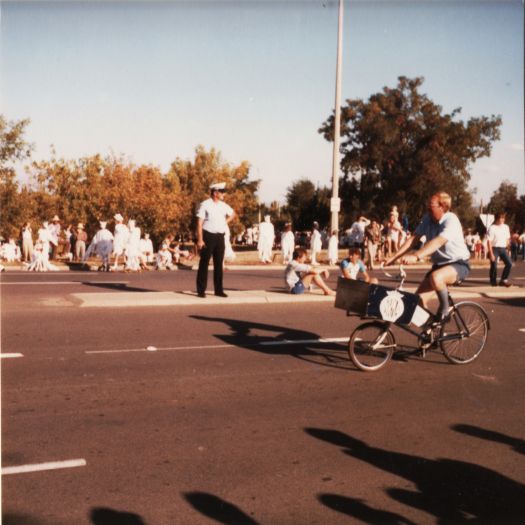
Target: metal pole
(335, 202)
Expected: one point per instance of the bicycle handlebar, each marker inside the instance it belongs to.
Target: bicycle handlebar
(401, 276)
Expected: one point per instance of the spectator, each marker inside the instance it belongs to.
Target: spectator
(101, 245)
(373, 243)
(27, 242)
(333, 249)
(316, 244)
(133, 262)
(394, 230)
(266, 240)
(164, 259)
(10, 251)
(514, 245)
(287, 243)
(55, 229)
(146, 249)
(299, 276)
(120, 239)
(80, 244)
(498, 237)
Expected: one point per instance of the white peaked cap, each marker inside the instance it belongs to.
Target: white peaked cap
(218, 186)
(118, 217)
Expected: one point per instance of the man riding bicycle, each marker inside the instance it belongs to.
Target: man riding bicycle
(445, 243)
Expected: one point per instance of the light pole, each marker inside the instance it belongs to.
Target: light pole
(335, 203)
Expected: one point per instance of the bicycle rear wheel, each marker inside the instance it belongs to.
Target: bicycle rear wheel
(465, 333)
(371, 346)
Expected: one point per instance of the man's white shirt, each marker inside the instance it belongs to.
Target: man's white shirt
(213, 215)
(499, 235)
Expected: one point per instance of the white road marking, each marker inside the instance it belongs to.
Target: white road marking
(305, 341)
(38, 467)
(124, 350)
(11, 355)
(65, 282)
(280, 342)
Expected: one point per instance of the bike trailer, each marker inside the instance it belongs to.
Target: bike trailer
(379, 302)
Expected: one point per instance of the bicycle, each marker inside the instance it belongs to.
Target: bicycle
(461, 336)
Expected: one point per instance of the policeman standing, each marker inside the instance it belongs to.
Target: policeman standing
(213, 218)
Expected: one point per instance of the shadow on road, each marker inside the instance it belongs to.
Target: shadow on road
(243, 334)
(453, 491)
(104, 516)
(517, 444)
(120, 287)
(218, 509)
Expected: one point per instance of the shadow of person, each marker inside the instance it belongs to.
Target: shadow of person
(218, 509)
(105, 516)
(120, 287)
(517, 444)
(301, 344)
(356, 508)
(454, 491)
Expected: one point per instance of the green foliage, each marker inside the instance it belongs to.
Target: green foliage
(13, 148)
(398, 148)
(305, 204)
(505, 199)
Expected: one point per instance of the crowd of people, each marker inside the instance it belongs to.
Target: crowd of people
(370, 242)
(124, 248)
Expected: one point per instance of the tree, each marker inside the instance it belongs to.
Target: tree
(13, 148)
(399, 147)
(505, 199)
(193, 178)
(305, 204)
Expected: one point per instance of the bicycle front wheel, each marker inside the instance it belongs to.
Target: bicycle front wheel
(371, 346)
(464, 335)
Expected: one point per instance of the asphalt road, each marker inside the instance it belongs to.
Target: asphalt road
(220, 424)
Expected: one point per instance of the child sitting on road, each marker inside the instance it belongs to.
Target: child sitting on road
(353, 267)
(299, 275)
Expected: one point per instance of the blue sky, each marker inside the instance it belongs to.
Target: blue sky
(254, 79)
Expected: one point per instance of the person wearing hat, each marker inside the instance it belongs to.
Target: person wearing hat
(101, 245)
(287, 243)
(80, 244)
(120, 241)
(54, 229)
(213, 218)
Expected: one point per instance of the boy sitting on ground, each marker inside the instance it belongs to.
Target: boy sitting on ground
(299, 275)
(353, 267)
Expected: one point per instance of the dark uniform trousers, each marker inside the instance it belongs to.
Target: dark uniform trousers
(213, 247)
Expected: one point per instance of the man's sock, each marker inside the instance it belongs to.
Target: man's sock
(443, 302)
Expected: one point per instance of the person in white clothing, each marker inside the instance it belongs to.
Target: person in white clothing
(164, 259)
(101, 245)
(498, 237)
(133, 248)
(287, 243)
(11, 251)
(213, 218)
(316, 244)
(266, 240)
(120, 239)
(146, 249)
(229, 254)
(27, 242)
(333, 248)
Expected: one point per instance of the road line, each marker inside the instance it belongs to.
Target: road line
(5, 356)
(304, 341)
(64, 282)
(124, 350)
(38, 467)
(280, 342)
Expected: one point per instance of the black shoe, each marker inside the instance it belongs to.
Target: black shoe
(221, 294)
(505, 283)
(202, 295)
